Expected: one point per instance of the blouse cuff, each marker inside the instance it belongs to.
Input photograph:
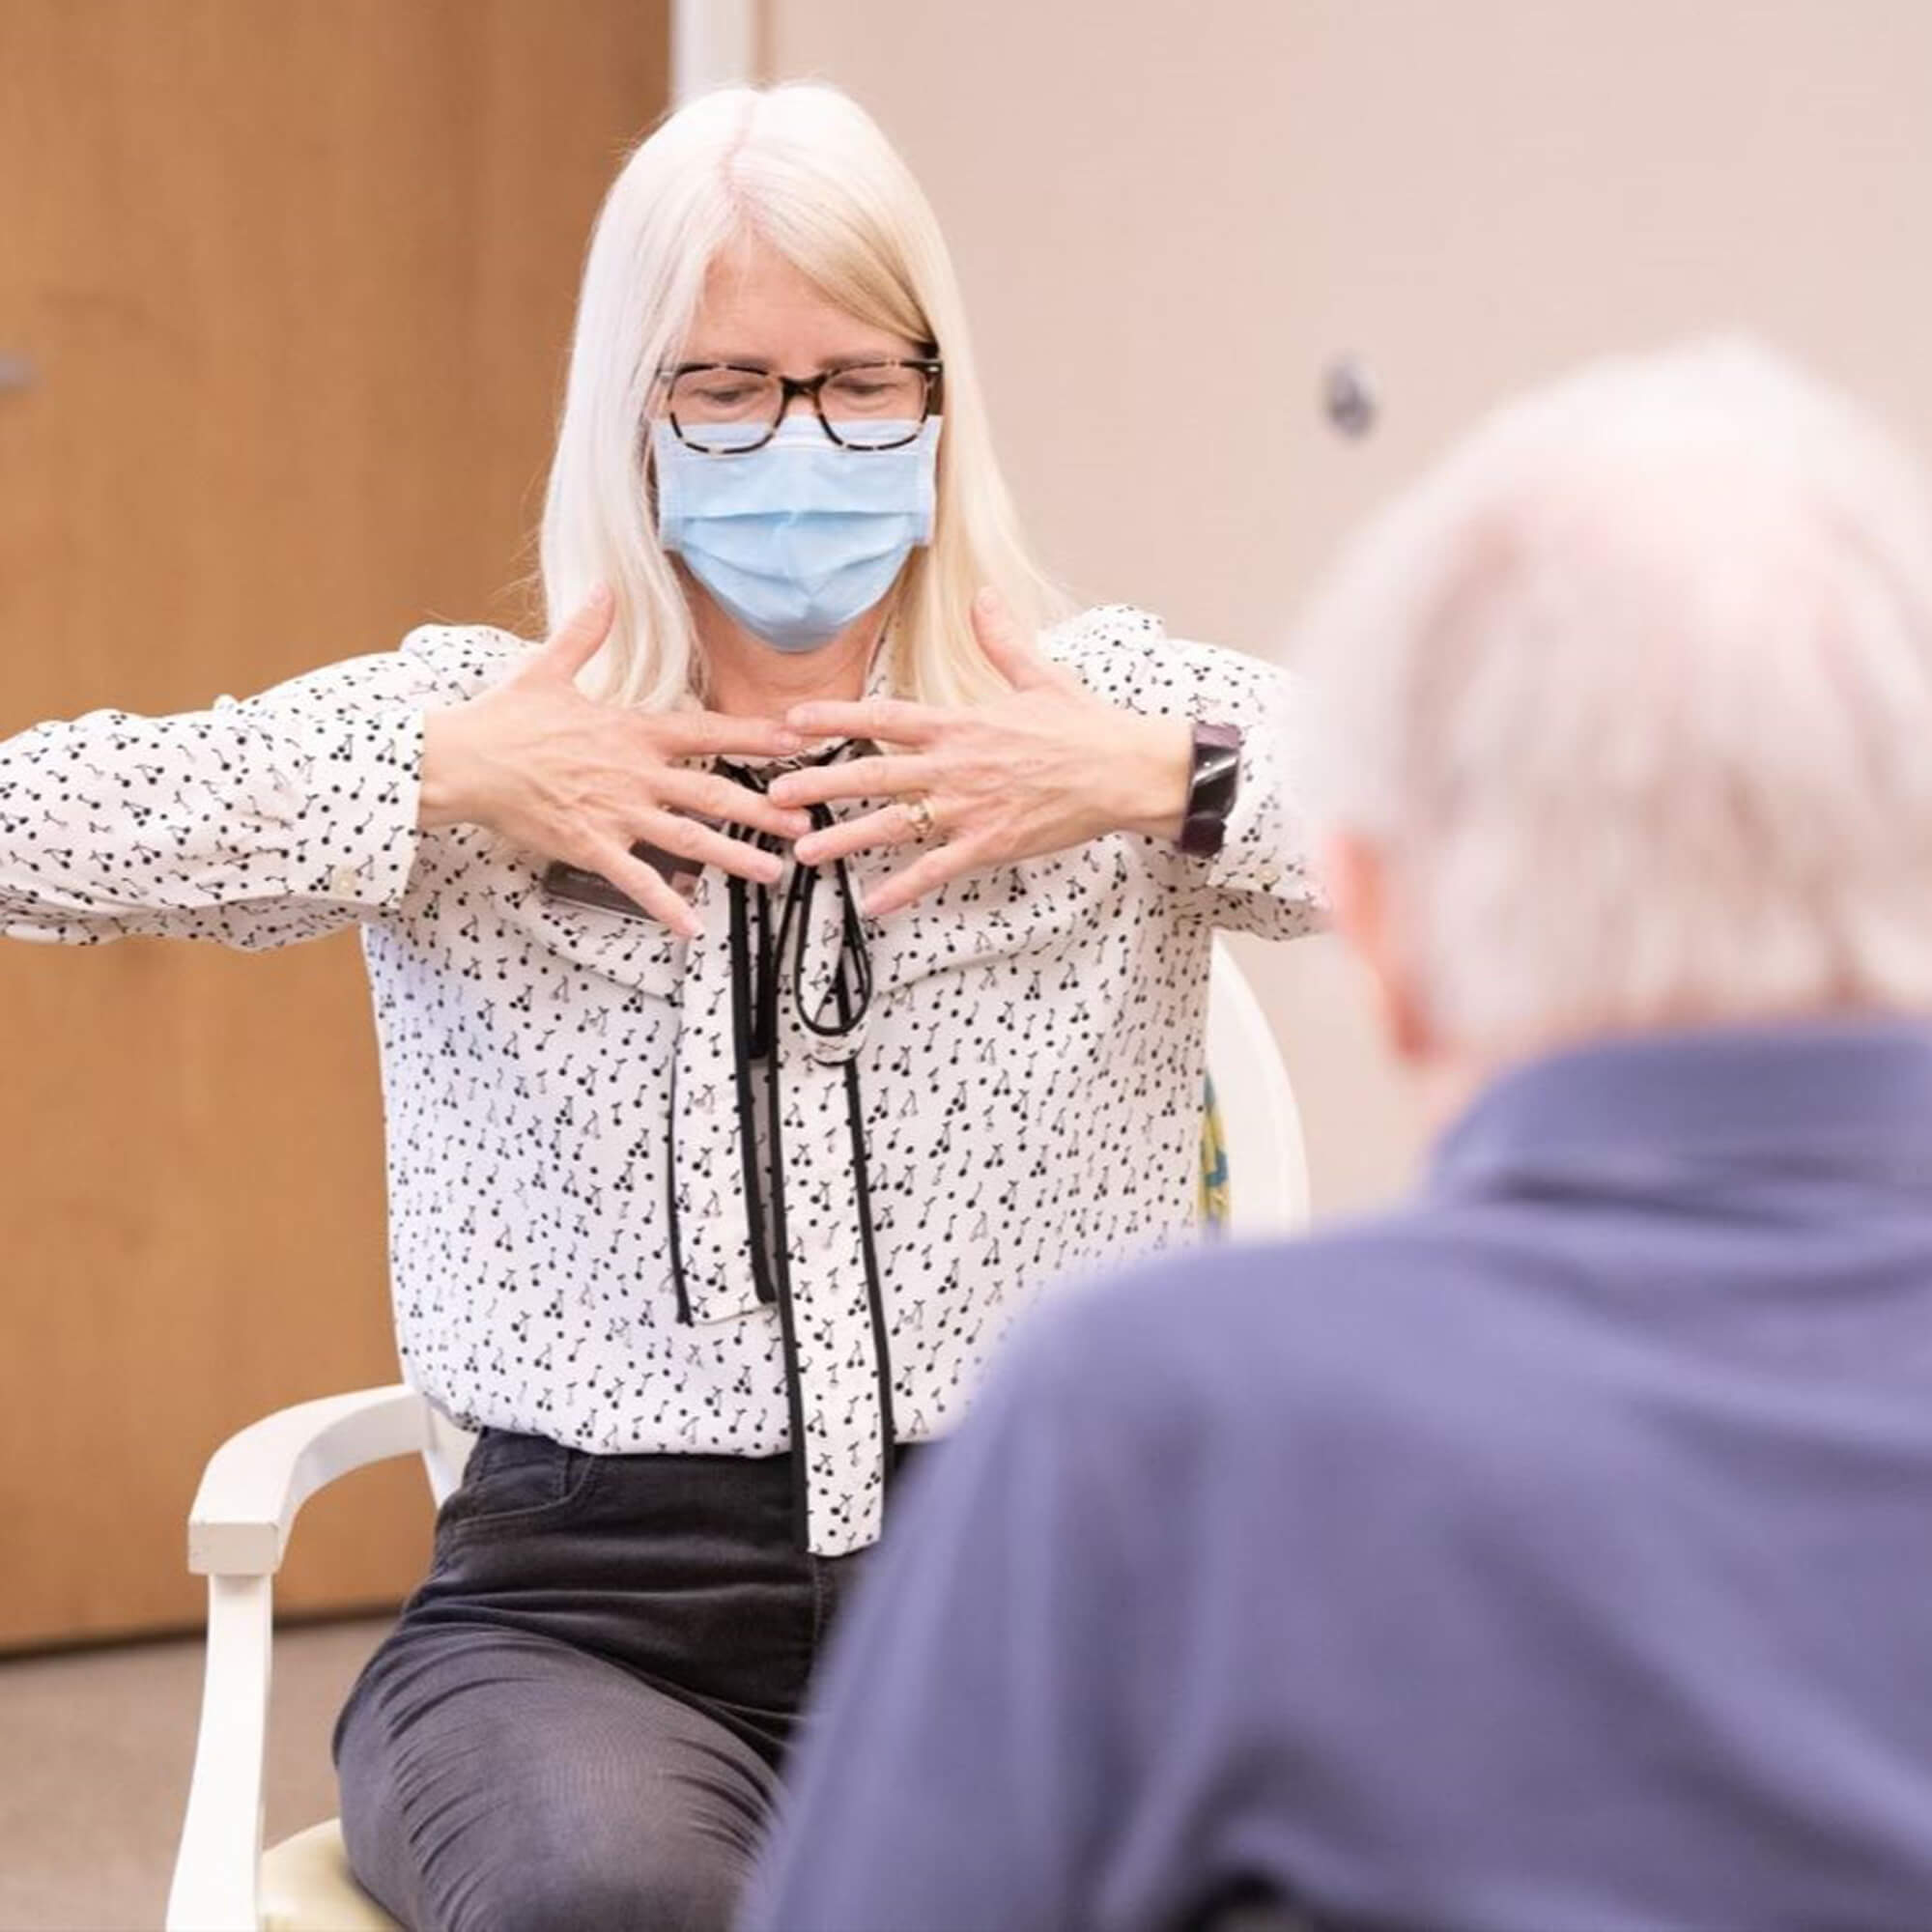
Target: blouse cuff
(349, 798)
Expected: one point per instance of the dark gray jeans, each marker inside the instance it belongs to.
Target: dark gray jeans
(577, 1721)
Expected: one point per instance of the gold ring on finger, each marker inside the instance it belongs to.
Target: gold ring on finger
(919, 811)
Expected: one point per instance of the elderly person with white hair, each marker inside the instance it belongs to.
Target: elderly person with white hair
(1552, 1554)
(782, 974)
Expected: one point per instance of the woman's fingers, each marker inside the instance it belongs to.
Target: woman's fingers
(886, 827)
(728, 802)
(944, 862)
(647, 886)
(1009, 652)
(854, 778)
(712, 734)
(672, 831)
(578, 639)
(890, 720)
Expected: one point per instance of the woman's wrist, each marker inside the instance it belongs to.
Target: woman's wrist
(446, 793)
(1147, 777)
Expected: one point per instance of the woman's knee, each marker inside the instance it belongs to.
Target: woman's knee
(543, 1792)
(687, 1882)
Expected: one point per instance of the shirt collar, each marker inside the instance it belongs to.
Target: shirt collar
(1852, 1095)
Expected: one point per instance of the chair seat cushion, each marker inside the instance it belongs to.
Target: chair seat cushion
(307, 1886)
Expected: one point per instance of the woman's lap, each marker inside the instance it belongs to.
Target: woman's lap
(497, 1782)
(578, 1719)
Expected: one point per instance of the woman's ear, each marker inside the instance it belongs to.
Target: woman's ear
(1357, 877)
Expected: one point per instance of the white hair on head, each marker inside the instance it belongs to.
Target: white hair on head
(803, 169)
(1633, 695)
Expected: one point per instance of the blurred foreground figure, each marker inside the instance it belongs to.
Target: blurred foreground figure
(1555, 1553)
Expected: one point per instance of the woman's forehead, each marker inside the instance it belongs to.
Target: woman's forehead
(759, 307)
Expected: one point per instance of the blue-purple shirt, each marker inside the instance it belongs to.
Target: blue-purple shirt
(1553, 1555)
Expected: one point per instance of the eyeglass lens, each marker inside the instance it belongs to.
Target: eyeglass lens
(874, 406)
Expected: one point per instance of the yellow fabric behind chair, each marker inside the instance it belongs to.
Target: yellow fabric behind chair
(1214, 1197)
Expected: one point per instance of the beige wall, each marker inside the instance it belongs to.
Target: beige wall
(1169, 219)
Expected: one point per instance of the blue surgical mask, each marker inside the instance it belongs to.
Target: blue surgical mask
(797, 539)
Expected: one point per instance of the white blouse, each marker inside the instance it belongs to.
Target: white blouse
(585, 1240)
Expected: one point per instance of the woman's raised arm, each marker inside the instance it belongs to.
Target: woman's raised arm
(285, 815)
(256, 822)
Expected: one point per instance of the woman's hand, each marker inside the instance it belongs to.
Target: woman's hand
(1046, 766)
(538, 762)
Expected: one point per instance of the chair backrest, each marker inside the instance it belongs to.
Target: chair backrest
(1267, 1160)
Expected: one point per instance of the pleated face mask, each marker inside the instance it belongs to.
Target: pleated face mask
(801, 537)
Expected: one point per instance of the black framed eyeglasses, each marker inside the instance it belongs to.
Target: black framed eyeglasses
(724, 409)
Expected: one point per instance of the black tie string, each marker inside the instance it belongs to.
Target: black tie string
(769, 956)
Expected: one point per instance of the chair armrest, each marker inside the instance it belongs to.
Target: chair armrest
(250, 1492)
(258, 1480)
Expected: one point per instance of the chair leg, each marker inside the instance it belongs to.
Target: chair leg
(218, 1874)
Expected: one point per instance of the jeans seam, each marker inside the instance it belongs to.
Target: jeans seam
(820, 1611)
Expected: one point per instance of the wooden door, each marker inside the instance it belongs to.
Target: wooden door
(285, 292)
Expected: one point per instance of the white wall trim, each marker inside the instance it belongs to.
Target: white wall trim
(713, 43)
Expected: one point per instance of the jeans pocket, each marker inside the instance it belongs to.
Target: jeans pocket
(514, 1482)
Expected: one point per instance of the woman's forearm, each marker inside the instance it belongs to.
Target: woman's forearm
(254, 823)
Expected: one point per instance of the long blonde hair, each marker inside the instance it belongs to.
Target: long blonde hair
(806, 170)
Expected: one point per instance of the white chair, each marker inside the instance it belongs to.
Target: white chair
(258, 1480)
(1267, 1160)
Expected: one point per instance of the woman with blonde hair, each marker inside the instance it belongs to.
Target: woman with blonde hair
(781, 972)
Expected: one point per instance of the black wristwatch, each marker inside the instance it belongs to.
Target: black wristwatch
(1212, 784)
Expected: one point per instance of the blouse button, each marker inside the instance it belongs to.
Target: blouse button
(345, 881)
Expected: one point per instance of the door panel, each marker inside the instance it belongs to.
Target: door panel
(294, 284)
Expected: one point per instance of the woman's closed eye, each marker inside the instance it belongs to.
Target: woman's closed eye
(875, 391)
(722, 391)
(861, 389)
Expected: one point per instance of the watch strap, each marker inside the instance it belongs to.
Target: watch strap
(1213, 779)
